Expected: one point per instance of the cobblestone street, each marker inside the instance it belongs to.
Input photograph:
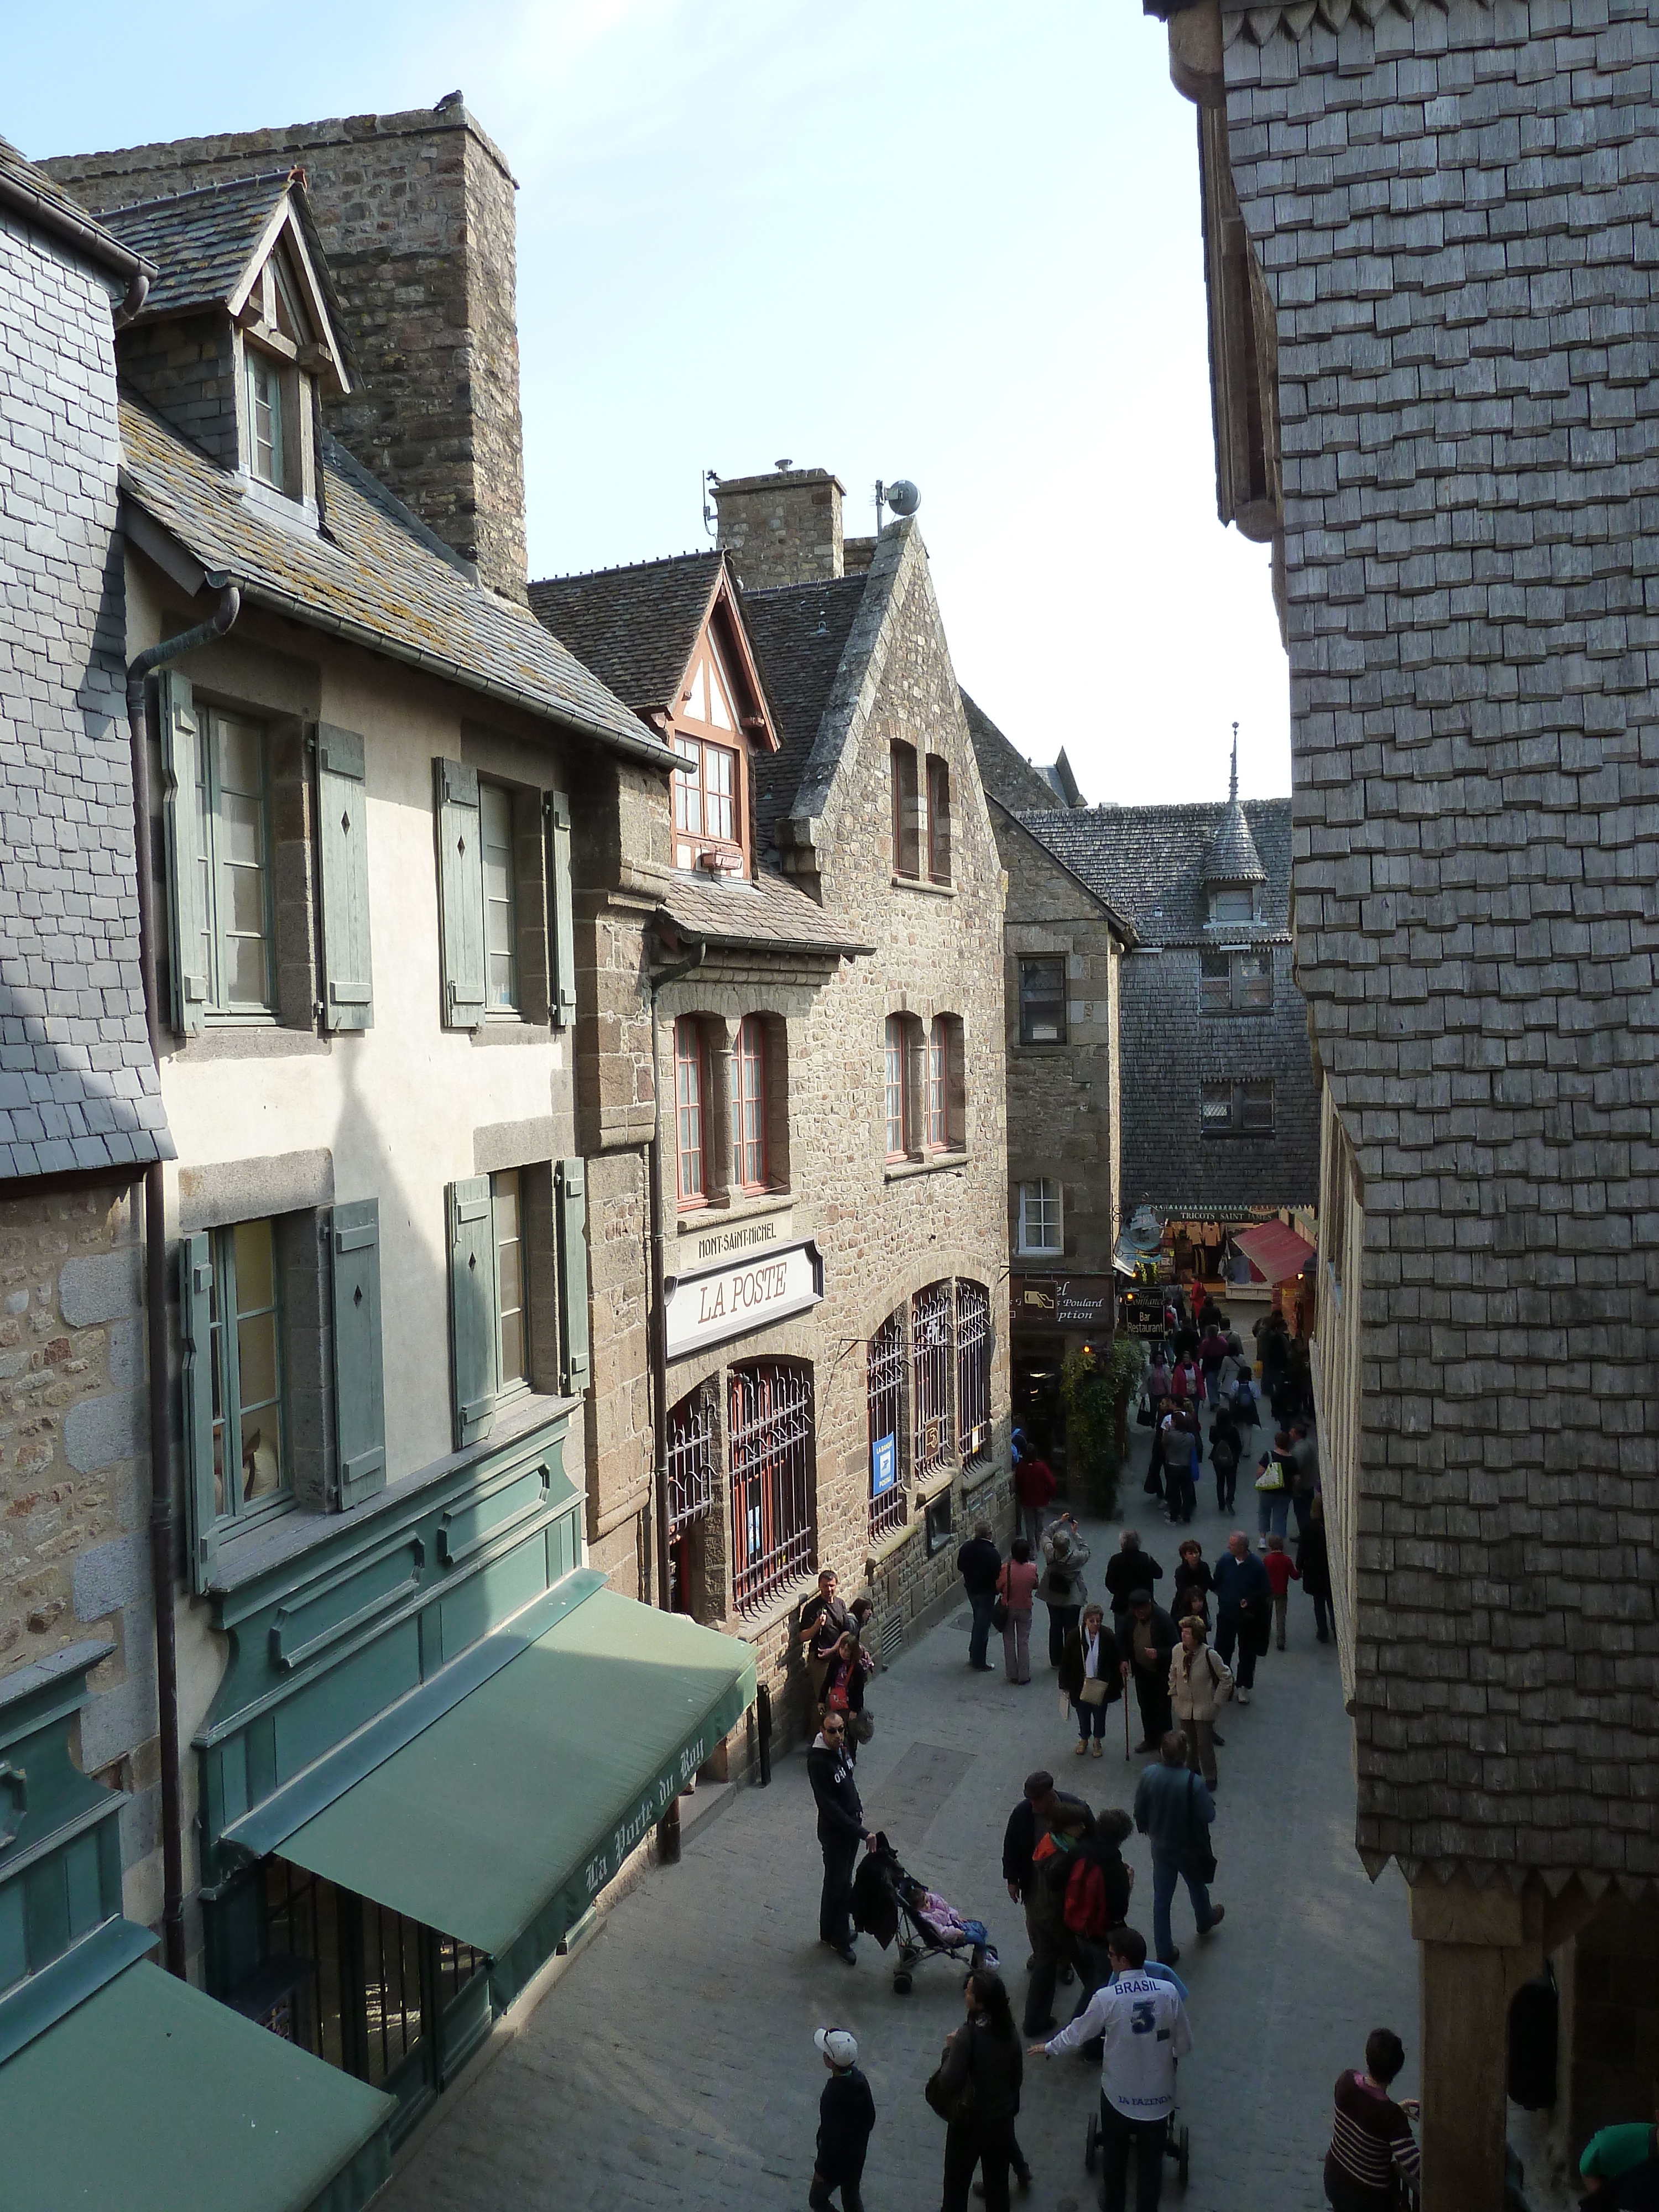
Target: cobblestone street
(673, 2063)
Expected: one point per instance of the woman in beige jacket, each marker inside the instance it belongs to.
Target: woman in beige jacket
(1200, 1683)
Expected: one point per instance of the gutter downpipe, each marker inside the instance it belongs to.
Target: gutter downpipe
(659, 1330)
(155, 1292)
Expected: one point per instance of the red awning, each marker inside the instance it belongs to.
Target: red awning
(1277, 1252)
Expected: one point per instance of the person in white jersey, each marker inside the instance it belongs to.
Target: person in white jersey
(1142, 2024)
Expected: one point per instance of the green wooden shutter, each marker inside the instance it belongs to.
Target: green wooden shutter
(348, 992)
(572, 1211)
(561, 920)
(181, 826)
(359, 1388)
(196, 1391)
(472, 1308)
(460, 894)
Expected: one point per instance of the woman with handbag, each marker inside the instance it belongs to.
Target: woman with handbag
(1273, 1490)
(1015, 1595)
(843, 1688)
(1089, 1676)
(976, 2090)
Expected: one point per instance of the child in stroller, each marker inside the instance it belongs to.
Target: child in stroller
(891, 1904)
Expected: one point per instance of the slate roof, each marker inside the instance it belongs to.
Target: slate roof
(799, 632)
(201, 241)
(1150, 862)
(769, 912)
(633, 627)
(375, 577)
(44, 200)
(1232, 857)
(1003, 769)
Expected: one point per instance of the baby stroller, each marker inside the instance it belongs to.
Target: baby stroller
(890, 1904)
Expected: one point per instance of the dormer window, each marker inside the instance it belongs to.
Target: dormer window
(264, 419)
(711, 799)
(1232, 906)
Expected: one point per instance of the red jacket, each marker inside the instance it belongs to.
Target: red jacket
(1034, 1482)
(1282, 1571)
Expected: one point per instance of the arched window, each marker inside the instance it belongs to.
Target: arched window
(890, 1497)
(771, 1455)
(932, 1346)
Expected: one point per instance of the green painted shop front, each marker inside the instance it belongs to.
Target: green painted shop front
(437, 1738)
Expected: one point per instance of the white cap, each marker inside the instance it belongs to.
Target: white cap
(838, 2044)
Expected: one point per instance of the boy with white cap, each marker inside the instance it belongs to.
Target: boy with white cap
(846, 2113)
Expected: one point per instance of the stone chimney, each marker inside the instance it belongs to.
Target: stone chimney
(417, 217)
(784, 528)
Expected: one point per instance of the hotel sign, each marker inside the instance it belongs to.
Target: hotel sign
(1079, 1303)
(750, 1293)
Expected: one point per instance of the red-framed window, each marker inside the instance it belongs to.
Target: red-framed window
(939, 819)
(749, 1106)
(691, 1112)
(771, 1455)
(898, 1086)
(706, 797)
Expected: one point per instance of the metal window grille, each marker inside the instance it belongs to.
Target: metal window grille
(393, 2015)
(1215, 982)
(931, 1333)
(770, 1454)
(1256, 1108)
(691, 1461)
(973, 1368)
(1217, 1108)
(1043, 1002)
(885, 1392)
(1255, 979)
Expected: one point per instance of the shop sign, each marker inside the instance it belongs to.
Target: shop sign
(883, 1465)
(1079, 1303)
(714, 1246)
(1141, 1311)
(706, 1309)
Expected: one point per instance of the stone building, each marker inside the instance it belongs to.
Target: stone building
(1433, 310)
(382, 811)
(824, 970)
(1063, 964)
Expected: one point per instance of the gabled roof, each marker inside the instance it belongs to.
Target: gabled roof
(1021, 826)
(635, 626)
(210, 245)
(801, 632)
(41, 199)
(373, 577)
(1151, 862)
(1006, 774)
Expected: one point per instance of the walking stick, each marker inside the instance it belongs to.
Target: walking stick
(1126, 1724)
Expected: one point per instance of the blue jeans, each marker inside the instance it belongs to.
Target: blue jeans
(1273, 1510)
(982, 1603)
(1165, 1875)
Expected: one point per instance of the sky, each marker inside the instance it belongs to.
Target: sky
(932, 239)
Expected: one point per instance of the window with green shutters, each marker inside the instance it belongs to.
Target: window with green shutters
(216, 829)
(570, 1203)
(501, 898)
(348, 990)
(472, 1353)
(240, 1444)
(506, 921)
(501, 1345)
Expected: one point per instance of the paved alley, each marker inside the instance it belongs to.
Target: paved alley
(673, 2063)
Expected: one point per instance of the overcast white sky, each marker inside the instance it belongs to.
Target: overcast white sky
(936, 238)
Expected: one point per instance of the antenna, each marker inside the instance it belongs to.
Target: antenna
(711, 483)
(1232, 792)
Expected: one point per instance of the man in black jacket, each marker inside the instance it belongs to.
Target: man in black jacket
(846, 2113)
(1029, 1822)
(1146, 1638)
(979, 1563)
(840, 1831)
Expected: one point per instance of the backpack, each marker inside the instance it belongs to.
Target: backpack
(1085, 1901)
(1223, 1458)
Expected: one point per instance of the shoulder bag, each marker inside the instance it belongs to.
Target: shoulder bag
(1197, 1861)
(999, 1609)
(951, 2104)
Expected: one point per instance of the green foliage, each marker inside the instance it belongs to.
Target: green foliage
(1098, 1390)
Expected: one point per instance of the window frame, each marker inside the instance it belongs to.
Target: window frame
(771, 1465)
(209, 794)
(491, 793)
(691, 776)
(523, 1383)
(1220, 910)
(896, 1046)
(939, 823)
(1057, 1204)
(690, 1050)
(1212, 1125)
(259, 365)
(904, 771)
(747, 1091)
(1243, 1002)
(1257, 1128)
(225, 1340)
(1029, 1005)
(936, 1100)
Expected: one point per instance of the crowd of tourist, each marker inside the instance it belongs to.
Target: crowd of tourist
(1183, 1645)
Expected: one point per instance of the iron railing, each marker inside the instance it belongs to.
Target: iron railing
(931, 1348)
(691, 1461)
(973, 1368)
(769, 1443)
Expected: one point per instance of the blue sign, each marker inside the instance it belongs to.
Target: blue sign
(883, 1465)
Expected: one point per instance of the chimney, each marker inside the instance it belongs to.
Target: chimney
(784, 528)
(417, 218)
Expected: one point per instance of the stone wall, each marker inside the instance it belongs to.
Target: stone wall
(415, 215)
(75, 1482)
(1171, 1049)
(782, 529)
(1452, 211)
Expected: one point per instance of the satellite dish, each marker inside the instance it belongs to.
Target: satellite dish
(903, 497)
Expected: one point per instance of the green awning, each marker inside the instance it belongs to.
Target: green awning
(152, 2097)
(501, 1821)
